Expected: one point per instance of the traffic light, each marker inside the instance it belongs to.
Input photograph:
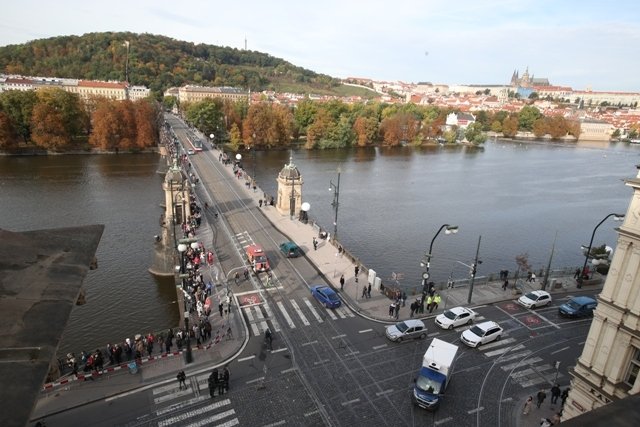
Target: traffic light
(472, 270)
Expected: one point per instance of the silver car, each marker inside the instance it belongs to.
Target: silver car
(408, 329)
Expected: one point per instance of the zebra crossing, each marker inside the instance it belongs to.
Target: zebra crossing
(523, 370)
(192, 407)
(295, 314)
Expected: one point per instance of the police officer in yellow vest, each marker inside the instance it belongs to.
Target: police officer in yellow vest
(435, 300)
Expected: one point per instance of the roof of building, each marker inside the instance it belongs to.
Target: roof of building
(41, 274)
(107, 85)
(619, 413)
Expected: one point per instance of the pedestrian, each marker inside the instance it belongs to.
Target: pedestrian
(529, 276)
(437, 299)
(564, 395)
(404, 298)
(555, 393)
(225, 377)
(429, 302)
(315, 244)
(246, 274)
(260, 202)
(505, 284)
(221, 309)
(450, 283)
(182, 380)
(369, 291)
(541, 396)
(413, 308)
(356, 270)
(576, 275)
(268, 337)
(527, 405)
(392, 308)
(533, 278)
(213, 382)
(342, 282)
(397, 310)
(364, 292)
(236, 277)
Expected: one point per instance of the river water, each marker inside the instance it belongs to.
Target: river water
(517, 196)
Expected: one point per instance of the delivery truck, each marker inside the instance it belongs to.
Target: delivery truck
(435, 374)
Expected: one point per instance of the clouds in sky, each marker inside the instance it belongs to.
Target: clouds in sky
(576, 43)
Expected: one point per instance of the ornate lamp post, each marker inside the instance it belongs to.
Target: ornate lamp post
(212, 136)
(188, 357)
(426, 262)
(617, 217)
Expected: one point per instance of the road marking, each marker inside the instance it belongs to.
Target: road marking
(286, 315)
(503, 350)
(279, 350)
(380, 393)
(277, 423)
(364, 331)
(515, 356)
(320, 362)
(180, 405)
(548, 321)
(473, 368)
(340, 313)
(350, 402)
(558, 351)
(276, 325)
(330, 313)
(339, 336)
(580, 343)
(175, 395)
(197, 412)
(523, 363)
(254, 380)
(378, 347)
(313, 310)
(300, 313)
(508, 399)
(218, 417)
(246, 358)
(254, 328)
(442, 421)
(497, 343)
(433, 334)
(350, 354)
(260, 316)
(286, 371)
(473, 411)
(309, 343)
(308, 414)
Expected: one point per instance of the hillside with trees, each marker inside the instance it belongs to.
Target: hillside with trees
(160, 62)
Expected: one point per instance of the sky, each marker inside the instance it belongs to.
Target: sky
(578, 43)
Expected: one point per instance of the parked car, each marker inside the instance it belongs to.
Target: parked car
(290, 249)
(534, 299)
(482, 333)
(578, 307)
(326, 296)
(190, 152)
(456, 316)
(407, 329)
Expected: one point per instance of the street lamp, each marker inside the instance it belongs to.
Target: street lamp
(212, 136)
(336, 203)
(617, 217)
(188, 357)
(254, 159)
(448, 229)
(305, 212)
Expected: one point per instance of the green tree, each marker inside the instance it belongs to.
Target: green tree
(474, 134)
(18, 106)
(527, 116)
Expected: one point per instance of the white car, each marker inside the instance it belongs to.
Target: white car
(534, 299)
(412, 328)
(454, 317)
(482, 333)
(191, 152)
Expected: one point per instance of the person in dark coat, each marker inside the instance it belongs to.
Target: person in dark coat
(213, 383)
(225, 377)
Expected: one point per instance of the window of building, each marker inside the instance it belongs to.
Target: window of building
(634, 368)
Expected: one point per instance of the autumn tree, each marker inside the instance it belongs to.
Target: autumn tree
(366, 129)
(399, 128)
(58, 119)
(540, 127)
(510, 126)
(126, 126)
(8, 135)
(319, 129)
(18, 106)
(146, 118)
(105, 134)
(267, 125)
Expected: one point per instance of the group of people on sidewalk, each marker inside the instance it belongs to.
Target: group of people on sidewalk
(220, 382)
(431, 299)
(556, 393)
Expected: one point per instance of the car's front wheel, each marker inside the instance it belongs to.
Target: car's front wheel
(450, 327)
(423, 336)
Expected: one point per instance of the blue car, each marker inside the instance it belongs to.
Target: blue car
(326, 296)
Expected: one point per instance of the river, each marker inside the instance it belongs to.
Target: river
(517, 196)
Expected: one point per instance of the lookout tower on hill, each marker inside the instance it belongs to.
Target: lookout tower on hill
(289, 189)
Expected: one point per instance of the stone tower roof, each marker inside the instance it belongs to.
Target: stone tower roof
(290, 171)
(174, 174)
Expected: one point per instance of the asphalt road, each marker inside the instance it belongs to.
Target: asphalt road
(332, 367)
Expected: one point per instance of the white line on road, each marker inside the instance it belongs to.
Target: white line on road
(339, 336)
(548, 321)
(286, 315)
(508, 399)
(330, 313)
(558, 351)
(313, 310)
(242, 359)
(180, 405)
(279, 350)
(320, 362)
(433, 334)
(308, 414)
(276, 325)
(504, 350)
(300, 313)
(286, 371)
(380, 393)
(277, 423)
(473, 411)
(210, 420)
(254, 328)
(255, 380)
(364, 331)
(442, 421)
(309, 343)
(350, 402)
(378, 347)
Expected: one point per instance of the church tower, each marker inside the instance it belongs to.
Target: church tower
(290, 183)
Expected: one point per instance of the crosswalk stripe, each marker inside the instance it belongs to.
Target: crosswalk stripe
(176, 395)
(503, 350)
(313, 310)
(339, 312)
(498, 343)
(535, 381)
(194, 413)
(286, 315)
(260, 316)
(344, 311)
(512, 365)
(330, 313)
(516, 356)
(300, 314)
(217, 417)
(254, 328)
(184, 404)
(274, 322)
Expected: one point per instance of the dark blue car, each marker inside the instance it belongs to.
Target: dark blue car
(326, 296)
